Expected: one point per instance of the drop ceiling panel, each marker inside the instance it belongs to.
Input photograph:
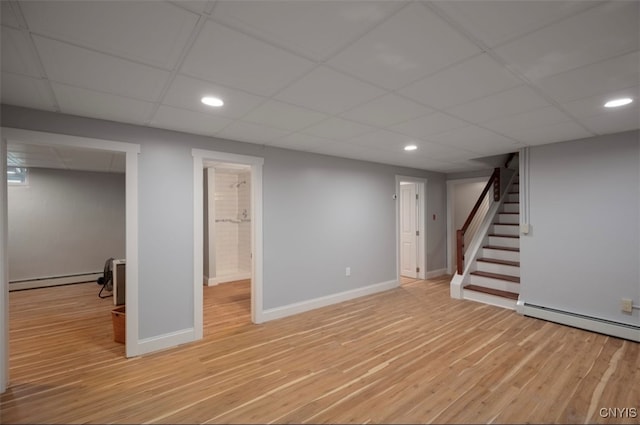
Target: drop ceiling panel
(84, 68)
(476, 139)
(329, 91)
(17, 54)
(190, 121)
(513, 125)
(424, 127)
(250, 132)
(7, 16)
(228, 57)
(494, 22)
(411, 44)
(197, 6)
(185, 92)
(77, 101)
(466, 81)
(338, 129)
(509, 102)
(599, 33)
(621, 120)
(594, 105)
(387, 110)
(283, 116)
(304, 142)
(117, 27)
(603, 77)
(312, 29)
(566, 130)
(382, 139)
(440, 152)
(26, 91)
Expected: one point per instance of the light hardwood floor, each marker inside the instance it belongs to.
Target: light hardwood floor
(409, 355)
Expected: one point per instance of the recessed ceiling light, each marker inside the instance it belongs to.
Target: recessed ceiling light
(410, 148)
(618, 102)
(212, 101)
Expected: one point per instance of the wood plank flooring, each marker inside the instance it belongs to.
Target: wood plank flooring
(409, 355)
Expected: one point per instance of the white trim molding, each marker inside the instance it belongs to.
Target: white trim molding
(436, 273)
(4, 270)
(607, 327)
(90, 277)
(228, 278)
(162, 342)
(303, 306)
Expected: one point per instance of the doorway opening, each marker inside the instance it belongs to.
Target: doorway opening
(93, 148)
(227, 233)
(411, 230)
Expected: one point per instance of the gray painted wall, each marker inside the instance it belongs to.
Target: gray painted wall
(321, 214)
(583, 252)
(65, 222)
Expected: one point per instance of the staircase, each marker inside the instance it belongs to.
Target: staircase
(495, 278)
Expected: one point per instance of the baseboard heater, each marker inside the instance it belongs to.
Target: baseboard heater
(42, 282)
(594, 324)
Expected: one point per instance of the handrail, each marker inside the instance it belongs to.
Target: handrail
(509, 159)
(493, 180)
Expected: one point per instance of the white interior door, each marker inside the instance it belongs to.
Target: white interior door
(408, 229)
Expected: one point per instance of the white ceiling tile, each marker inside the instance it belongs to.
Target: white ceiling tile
(466, 81)
(476, 139)
(83, 68)
(599, 33)
(382, 139)
(252, 133)
(303, 142)
(509, 102)
(87, 103)
(615, 121)
(26, 91)
(566, 130)
(185, 92)
(512, 125)
(315, 29)
(387, 110)
(124, 28)
(326, 90)
(440, 152)
(17, 54)
(599, 78)
(188, 121)
(228, 57)
(594, 105)
(337, 129)
(424, 127)
(7, 16)
(494, 22)
(411, 44)
(283, 116)
(197, 6)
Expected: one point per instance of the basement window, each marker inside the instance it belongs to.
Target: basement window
(17, 176)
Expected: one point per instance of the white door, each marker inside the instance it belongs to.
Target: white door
(408, 229)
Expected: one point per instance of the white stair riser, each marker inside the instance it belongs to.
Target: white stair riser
(489, 299)
(488, 282)
(515, 187)
(499, 254)
(506, 242)
(512, 197)
(498, 268)
(515, 208)
(505, 230)
(508, 218)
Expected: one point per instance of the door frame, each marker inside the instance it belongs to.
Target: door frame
(202, 159)
(421, 223)
(451, 186)
(131, 151)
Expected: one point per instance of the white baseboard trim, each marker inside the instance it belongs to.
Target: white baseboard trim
(162, 342)
(301, 307)
(455, 289)
(212, 281)
(607, 327)
(53, 281)
(436, 273)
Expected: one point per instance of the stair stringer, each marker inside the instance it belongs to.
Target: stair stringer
(459, 281)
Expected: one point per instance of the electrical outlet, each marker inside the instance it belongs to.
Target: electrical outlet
(626, 305)
(347, 272)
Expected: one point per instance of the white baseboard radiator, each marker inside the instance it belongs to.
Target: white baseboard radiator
(42, 282)
(594, 324)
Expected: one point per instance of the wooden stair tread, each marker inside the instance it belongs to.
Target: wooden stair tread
(503, 248)
(499, 276)
(503, 262)
(507, 224)
(512, 213)
(504, 236)
(497, 292)
(511, 202)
